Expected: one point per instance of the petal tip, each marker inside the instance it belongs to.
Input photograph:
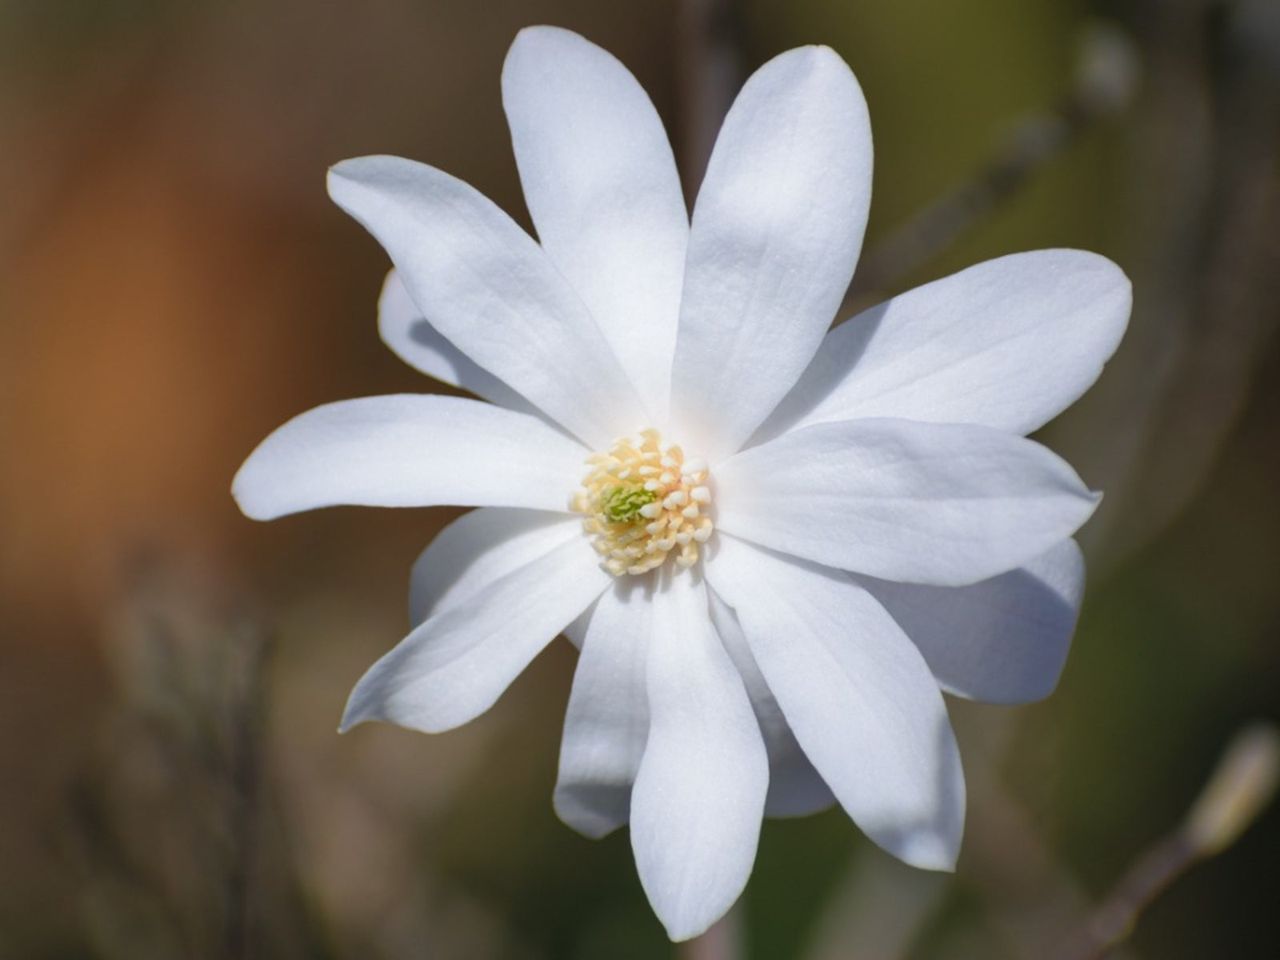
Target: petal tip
(1092, 499)
(363, 703)
(342, 169)
(935, 852)
(537, 45)
(680, 929)
(246, 496)
(352, 717)
(581, 820)
(361, 171)
(547, 32)
(828, 53)
(820, 57)
(360, 709)
(811, 50)
(339, 179)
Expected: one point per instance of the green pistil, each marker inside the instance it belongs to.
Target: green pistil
(622, 504)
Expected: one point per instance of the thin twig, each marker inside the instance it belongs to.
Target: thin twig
(1239, 789)
(1105, 81)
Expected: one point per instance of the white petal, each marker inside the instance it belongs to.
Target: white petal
(490, 289)
(608, 720)
(1003, 640)
(408, 450)
(857, 694)
(699, 794)
(604, 194)
(576, 632)
(453, 667)
(776, 232)
(795, 788)
(933, 503)
(608, 715)
(1009, 343)
(415, 341)
(478, 548)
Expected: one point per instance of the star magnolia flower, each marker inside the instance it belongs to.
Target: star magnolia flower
(775, 544)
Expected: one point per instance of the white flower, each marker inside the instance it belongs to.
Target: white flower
(882, 529)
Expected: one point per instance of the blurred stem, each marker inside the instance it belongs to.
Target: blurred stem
(1241, 787)
(1112, 921)
(722, 942)
(709, 65)
(247, 709)
(1105, 80)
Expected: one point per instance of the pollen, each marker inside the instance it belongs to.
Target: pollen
(642, 502)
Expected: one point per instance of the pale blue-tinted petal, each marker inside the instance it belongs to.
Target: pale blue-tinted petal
(1009, 344)
(491, 290)
(857, 694)
(777, 228)
(946, 504)
(604, 194)
(1003, 640)
(409, 450)
(700, 790)
(415, 341)
(452, 667)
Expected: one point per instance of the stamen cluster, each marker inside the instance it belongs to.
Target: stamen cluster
(643, 501)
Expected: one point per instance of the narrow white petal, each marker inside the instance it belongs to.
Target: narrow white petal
(608, 716)
(699, 794)
(408, 450)
(604, 194)
(478, 548)
(857, 694)
(946, 504)
(776, 232)
(455, 665)
(607, 721)
(415, 341)
(1009, 344)
(1003, 640)
(490, 289)
(795, 788)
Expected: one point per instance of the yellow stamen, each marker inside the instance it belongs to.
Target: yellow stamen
(642, 501)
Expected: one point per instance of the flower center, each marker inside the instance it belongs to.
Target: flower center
(642, 501)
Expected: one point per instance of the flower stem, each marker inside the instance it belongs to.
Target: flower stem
(722, 942)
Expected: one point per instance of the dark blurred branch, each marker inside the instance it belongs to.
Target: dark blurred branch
(709, 52)
(244, 768)
(1243, 784)
(1227, 271)
(1105, 81)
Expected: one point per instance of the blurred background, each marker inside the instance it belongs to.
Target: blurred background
(174, 284)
